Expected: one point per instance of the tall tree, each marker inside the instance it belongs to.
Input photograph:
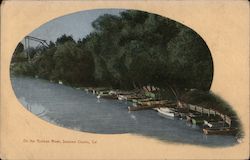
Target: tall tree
(73, 65)
(19, 49)
(64, 38)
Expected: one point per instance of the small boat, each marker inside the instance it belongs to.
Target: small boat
(153, 102)
(220, 131)
(128, 96)
(107, 96)
(104, 92)
(141, 100)
(113, 92)
(214, 124)
(197, 120)
(137, 108)
(121, 97)
(136, 98)
(167, 112)
(97, 90)
(89, 89)
(101, 91)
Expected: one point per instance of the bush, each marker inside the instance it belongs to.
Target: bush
(24, 68)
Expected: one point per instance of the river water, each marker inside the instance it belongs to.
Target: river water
(75, 109)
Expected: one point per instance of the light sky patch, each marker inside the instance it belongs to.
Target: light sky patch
(78, 25)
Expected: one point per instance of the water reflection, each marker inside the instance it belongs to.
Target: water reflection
(35, 108)
(78, 110)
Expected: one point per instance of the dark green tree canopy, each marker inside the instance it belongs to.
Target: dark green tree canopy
(64, 38)
(149, 49)
(129, 50)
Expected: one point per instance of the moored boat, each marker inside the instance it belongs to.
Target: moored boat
(129, 97)
(153, 102)
(141, 100)
(121, 97)
(103, 92)
(138, 107)
(214, 124)
(89, 89)
(107, 96)
(167, 111)
(197, 120)
(220, 131)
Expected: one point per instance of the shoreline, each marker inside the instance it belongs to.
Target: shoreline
(98, 91)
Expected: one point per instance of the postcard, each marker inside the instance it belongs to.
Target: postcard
(124, 80)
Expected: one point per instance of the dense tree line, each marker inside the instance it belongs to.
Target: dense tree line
(126, 51)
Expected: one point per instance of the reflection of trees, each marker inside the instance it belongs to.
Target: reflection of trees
(28, 106)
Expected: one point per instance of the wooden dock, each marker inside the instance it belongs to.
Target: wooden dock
(209, 112)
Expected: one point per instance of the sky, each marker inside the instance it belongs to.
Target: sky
(77, 24)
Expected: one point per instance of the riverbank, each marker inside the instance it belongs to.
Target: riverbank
(211, 120)
(76, 109)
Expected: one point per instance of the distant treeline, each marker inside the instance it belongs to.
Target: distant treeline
(126, 51)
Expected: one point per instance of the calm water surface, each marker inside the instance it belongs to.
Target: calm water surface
(78, 110)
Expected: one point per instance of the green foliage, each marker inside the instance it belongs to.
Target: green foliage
(44, 63)
(129, 51)
(23, 68)
(61, 40)
(208, 99)
(64, 62)
(126, 51)
(73, 65)
(141, 48)
(190, 58)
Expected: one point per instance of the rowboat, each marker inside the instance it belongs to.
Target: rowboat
(167, 111)
(89, 89)
(220, 131)
(214, 124)
(97, 90)
(107, 96)
(141, 100)
(153, 102)
(122, 97)
(170, 114)
(103, 92)
(138, 107)
(129, 97)
(197, 120)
